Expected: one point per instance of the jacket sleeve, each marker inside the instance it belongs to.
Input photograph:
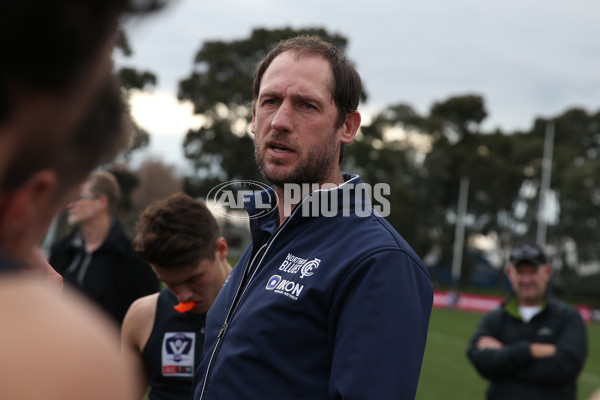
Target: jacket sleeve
(571, 350)
(496, 364)
(378, 328)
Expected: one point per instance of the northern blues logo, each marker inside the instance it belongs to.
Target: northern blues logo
(293, 264)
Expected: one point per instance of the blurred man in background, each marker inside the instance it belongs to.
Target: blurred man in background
(96, 257)
(533, 346)
(180, 238)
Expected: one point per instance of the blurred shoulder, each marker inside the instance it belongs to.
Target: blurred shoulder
(69, 340)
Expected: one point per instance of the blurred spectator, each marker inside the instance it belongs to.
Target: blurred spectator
(533, 346)
(96, 257)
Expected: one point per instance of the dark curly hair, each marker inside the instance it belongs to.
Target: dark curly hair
(175, 232)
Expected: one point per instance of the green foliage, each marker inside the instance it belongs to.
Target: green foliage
(575, 173)
(448, 374)
(223, 71)
(132, 79)
(504, 172)
(459, 114)
(122, 43)
(127, 183)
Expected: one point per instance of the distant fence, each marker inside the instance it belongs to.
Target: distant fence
(483, 304)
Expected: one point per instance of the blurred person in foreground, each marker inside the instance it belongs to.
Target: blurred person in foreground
(55, 56)
(181, 240)
(96, 257)
(533, 346)
(55, 345)
(319, 306)
(55, 65)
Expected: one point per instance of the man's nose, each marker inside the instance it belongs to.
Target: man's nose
(282, 121)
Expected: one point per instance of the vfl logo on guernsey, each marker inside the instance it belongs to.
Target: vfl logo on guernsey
(285, 287)
(293, 264)
(178, 353)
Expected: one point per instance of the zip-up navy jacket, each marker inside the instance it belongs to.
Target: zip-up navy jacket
(319, 308)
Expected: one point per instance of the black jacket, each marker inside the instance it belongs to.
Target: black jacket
(512, 371)
(112, 276)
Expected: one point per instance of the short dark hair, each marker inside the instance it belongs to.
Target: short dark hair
(47, 44)
(104, 130)
(176, 232)
(347, 83)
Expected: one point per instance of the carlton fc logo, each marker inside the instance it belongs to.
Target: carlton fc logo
(309, 267)
(293, 264)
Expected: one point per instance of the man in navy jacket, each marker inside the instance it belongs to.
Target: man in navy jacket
(328, 302)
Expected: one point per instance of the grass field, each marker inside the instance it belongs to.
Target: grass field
(447, 373)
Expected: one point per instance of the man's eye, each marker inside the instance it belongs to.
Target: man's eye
(308, 106)
(270, 101)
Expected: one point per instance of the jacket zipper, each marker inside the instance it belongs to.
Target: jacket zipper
(238, 295)
(238, 298)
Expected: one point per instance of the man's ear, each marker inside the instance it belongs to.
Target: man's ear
(27, 211)
(350, 127)
(221, 248)
(253, 123)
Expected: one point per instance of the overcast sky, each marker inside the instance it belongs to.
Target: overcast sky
(527, 58)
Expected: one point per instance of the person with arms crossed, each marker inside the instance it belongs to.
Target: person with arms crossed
(533, 346)
(96, 257)
(182, 242)
(318, 307)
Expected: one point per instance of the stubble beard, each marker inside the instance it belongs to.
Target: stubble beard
(314, 169)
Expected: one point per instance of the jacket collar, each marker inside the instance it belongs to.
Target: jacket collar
(511, 306)
(262, 207)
